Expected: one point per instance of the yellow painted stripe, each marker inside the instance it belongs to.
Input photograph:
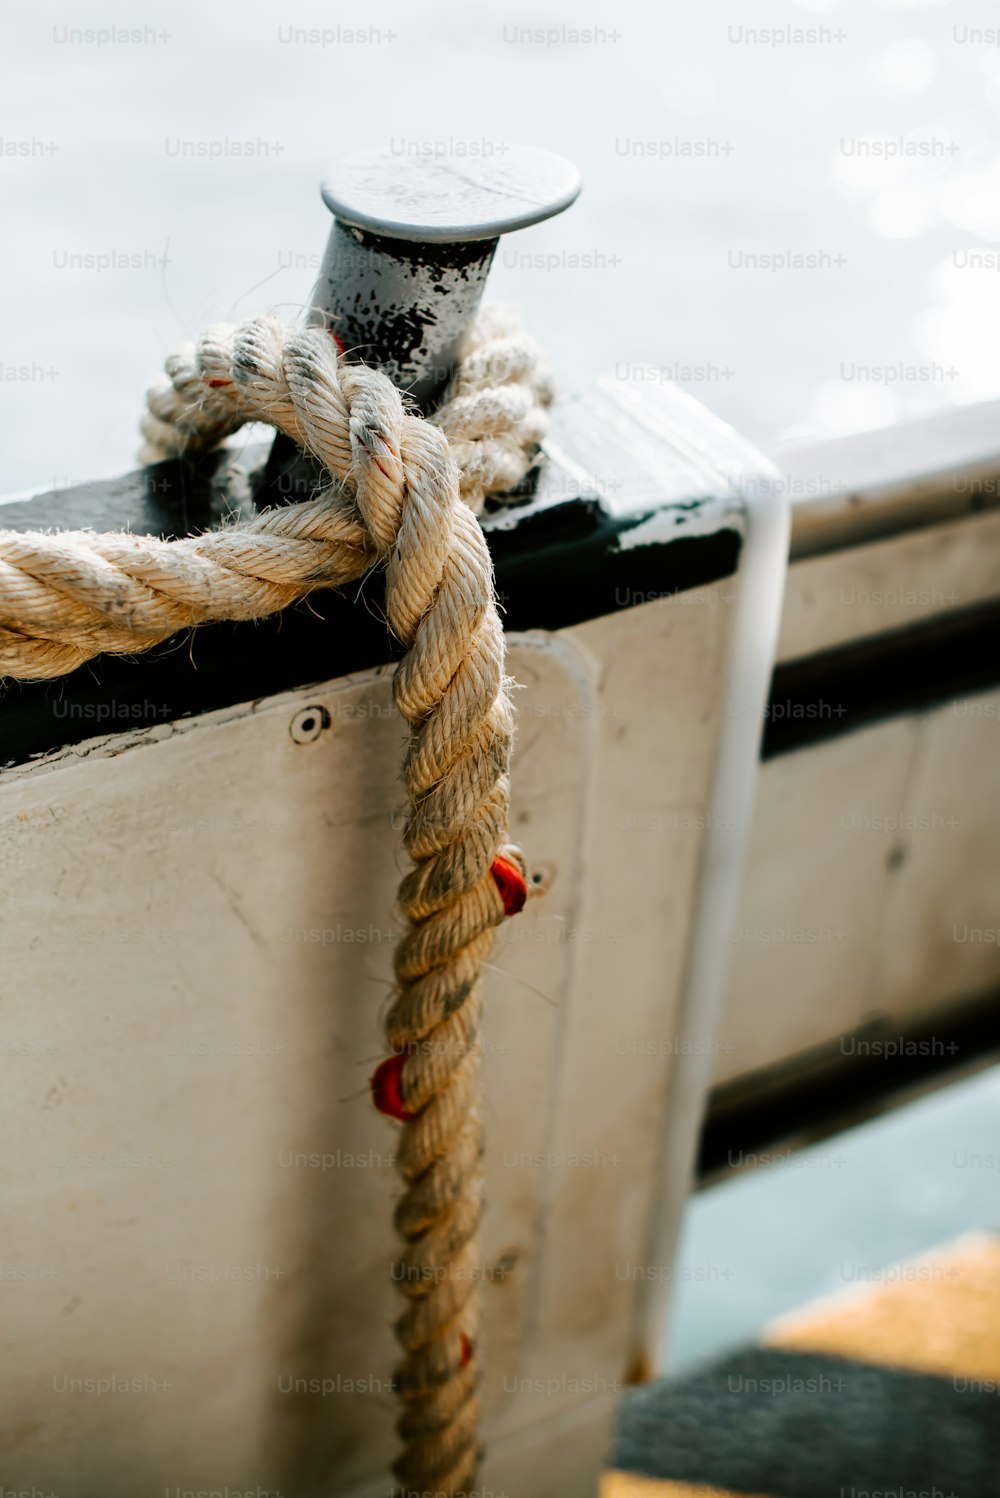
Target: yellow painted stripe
(625, 1485)
(937, 1314)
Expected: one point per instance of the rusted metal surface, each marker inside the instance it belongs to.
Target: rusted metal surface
(406, 262)
(411, 247)
(401, 306)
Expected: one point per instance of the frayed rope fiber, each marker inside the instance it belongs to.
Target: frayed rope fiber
(403, 493)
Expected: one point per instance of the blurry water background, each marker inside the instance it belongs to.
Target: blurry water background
(188, 152)
(184, 161)
(843, 1214)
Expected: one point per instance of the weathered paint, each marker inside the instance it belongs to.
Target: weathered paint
(399, 307)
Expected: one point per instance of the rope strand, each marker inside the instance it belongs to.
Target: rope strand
(402, 493)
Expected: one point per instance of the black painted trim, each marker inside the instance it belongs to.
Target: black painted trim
(840, 691)
(819, 1092)
(560, 565)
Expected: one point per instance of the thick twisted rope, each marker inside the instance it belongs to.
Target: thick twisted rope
(402, 492)
(67, 596)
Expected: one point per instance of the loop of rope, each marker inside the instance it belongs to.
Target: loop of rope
(402, 492)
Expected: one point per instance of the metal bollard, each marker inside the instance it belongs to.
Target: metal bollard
(406, 262)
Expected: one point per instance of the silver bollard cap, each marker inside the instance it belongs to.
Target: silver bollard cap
(444, 198)
(406, 261)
